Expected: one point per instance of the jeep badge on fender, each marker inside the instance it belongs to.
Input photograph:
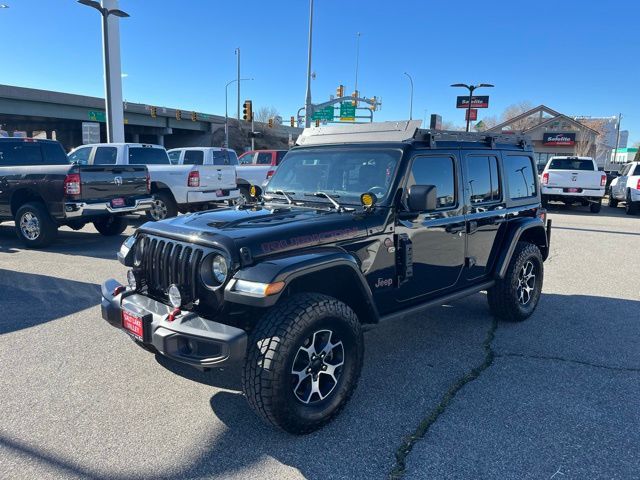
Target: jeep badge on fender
(358, 224)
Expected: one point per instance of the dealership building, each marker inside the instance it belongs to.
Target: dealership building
(552, 133)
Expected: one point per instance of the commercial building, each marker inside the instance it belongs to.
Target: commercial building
(552, 133)
(624, 155)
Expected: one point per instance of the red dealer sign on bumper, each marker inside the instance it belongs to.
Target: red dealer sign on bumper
(553, 139)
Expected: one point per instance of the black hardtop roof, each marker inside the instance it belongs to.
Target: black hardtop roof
(27, 139)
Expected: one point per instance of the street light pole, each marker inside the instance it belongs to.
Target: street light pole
(308, 108)
(105, 12)
(238, 80)
(471, 89)
(411, 100)
(357, 58)
(615, 152)
(226, 110)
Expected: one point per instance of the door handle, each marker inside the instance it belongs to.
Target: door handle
(454, 228)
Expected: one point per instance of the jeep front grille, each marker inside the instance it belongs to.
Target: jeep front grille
(166, 262)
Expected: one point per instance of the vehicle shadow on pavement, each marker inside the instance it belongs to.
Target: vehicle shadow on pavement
(581, 211)
(27, 299)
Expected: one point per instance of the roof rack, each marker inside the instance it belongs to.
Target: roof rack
(432, 137)
(360, 132)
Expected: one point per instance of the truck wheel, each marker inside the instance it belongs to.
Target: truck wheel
(613, 203)
(303, 362)
(515, 297)
(34, 225)
(111, 225)
(595, 207)
(630, 207)
(164, 206)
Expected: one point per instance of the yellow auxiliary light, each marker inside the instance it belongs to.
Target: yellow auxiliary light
(368, 199)
(253, 191)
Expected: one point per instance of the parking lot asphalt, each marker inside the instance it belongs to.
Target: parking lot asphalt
(445, 394)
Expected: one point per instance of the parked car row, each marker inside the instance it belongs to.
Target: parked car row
(42, 189)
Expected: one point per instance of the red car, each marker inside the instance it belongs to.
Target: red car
(262, 157)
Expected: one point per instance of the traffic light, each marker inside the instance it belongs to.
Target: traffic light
(194, 116)
(374, 105)
(293, 121)
(154, 112)
(340, 91)
(247, 110)
(178, 114)
(271, 123)
(355, 102)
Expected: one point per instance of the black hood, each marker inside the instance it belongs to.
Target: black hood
(266, 229)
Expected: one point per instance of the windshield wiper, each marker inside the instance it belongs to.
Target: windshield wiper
(286, 196)
(328, 197)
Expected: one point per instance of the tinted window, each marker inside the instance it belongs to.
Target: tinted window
(148, 156)
(246, 158)
(438, 171)
(80, 156)
(20, 153)
(279, 156)
(571, 164)
(53, 153)
(174, 157)
(193, 157)
(520, 176)
(482, 180)
(233, 157)
(264, 158)
(222, 157)
(105, 156)
(637, 170)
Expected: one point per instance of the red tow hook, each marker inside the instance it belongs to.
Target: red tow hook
(174, 313)
(118, 290)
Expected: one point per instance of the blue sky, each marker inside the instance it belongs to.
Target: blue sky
(577, 57)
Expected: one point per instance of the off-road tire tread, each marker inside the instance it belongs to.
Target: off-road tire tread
(500, 296)
(279, 326)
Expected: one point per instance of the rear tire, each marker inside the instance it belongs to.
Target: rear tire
(545, 201)
(613, 203)
(630, 208)
(515, 297)
(34, 226)
(303, 362)
(595, 207)
(164, 206)
(110, 226)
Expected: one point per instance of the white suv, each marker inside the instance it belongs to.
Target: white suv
(626, 188)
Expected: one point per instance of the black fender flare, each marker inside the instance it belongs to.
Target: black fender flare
(288, 268)
(531, 227)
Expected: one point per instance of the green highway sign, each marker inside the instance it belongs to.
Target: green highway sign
(347, 111)
(97, 116)
(325, 113)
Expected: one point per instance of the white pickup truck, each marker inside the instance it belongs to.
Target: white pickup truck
(573, 180)
(626, 188)
(175, 188)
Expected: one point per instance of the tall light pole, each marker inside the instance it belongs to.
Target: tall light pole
(308, 108)
(109, 107)
(238, 80)
(226, 110)
(357, 57)
(471, 88)
(615, 152)
(411, 98)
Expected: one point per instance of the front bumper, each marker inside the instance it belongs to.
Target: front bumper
(189, 338)
(82, 209)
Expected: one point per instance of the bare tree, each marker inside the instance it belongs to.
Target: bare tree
(486, 123)
(517, 109)
(590, 145)
(265, 113)
(449, 125)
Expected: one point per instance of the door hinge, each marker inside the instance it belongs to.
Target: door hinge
(404, 258)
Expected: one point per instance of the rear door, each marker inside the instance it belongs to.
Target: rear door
(484, 210)
(225, 170)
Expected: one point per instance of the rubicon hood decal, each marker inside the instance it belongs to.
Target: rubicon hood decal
(309, 240)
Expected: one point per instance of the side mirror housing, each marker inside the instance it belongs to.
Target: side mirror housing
(422, 198)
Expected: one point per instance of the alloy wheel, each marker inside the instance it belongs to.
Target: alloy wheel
(30, 226)
(158, 210)
(526, 282)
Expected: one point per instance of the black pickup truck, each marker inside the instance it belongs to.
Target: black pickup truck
(42, 191)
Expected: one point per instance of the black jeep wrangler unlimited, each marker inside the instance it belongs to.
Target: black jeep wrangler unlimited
(356, 226)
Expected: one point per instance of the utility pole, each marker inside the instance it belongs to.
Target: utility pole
(238, 80)
(615, 152)
(308, 107)
(253, 140)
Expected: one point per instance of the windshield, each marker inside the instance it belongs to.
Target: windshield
(570, 164)
(344, 174)
(148, 156)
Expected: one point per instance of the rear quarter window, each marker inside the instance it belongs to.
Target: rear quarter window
(519, 172)
(148, 156)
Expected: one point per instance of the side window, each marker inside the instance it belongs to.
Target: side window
(482, 180)
(438, 171)
(21, 153)
(53, 153)
(193, 157)
(637, 170)
(174, 157)
(520, 177)
(233, 157)
(264, 158)
(80, 156)
(279, 156)
(220, 157)
(105, 156)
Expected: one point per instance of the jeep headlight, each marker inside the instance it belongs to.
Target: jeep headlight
(220, 268)
(127, 244)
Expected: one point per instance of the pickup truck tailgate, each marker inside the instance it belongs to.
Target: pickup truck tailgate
(574, 178)
(107, 182)
(217, 177)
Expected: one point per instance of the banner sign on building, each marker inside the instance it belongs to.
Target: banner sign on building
(481, 101)
(554, 139)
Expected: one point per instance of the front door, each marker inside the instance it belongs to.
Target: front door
(485, 207)
(431, 245)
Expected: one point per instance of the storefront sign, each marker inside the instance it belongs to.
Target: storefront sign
(481, 101)
(471, 115)
(554, 139)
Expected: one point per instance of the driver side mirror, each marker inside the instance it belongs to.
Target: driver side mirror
(422, 198)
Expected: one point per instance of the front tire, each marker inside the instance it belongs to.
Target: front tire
(110, 226)
(164, 206)
(34, 225)
(515, 297)
(303, 362)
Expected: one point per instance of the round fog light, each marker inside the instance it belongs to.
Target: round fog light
(131, 278)
(174, 296)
